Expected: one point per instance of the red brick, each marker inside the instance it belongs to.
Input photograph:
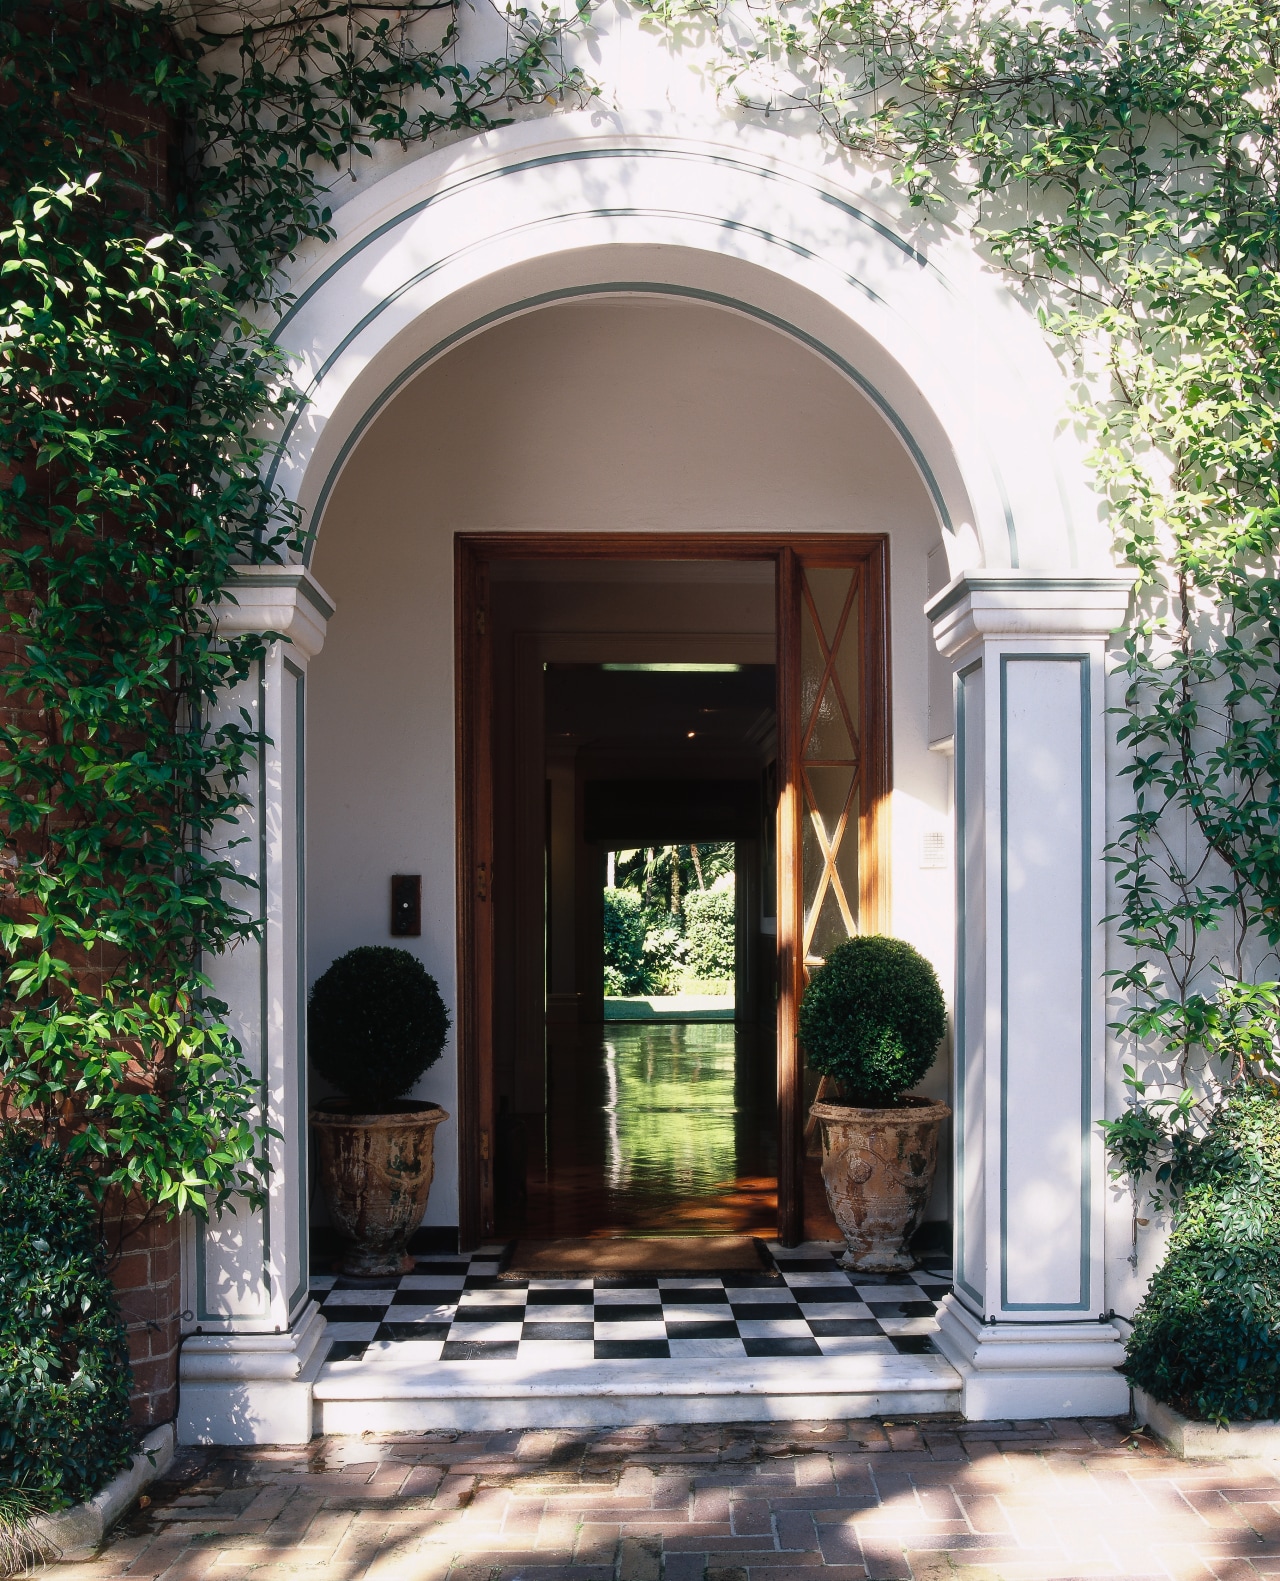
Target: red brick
(132, 1272)
(145, 1272)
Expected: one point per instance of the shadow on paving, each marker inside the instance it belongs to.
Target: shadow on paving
(835, 1501)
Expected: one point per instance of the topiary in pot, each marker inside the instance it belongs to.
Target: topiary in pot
(376, 1022)
(1206, 1339)
(871, 1021)
(64, 1366)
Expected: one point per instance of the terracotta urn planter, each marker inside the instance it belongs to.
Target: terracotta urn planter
(878, 1167)
(375, 1172)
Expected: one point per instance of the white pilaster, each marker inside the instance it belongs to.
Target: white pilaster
(1026, 1325)
(255, 1340)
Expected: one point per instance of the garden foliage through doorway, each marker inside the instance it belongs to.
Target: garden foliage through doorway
(670, 921)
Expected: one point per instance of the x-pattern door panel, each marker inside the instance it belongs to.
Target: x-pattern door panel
(831, 707)
(833, 711)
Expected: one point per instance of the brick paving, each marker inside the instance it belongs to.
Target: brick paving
(1004, 1501)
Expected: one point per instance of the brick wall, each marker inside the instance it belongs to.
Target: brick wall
(146, 1271)
(143, 1248)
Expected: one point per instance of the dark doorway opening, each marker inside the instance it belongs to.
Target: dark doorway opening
(531, 968)
(658, 1105)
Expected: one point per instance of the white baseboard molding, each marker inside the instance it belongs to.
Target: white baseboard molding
(1026, 1370)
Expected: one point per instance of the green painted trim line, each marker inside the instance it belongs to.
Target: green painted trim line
(263, 978)
(758, 170)
(620, 288)
(962, 1051)
(724, 224)
(573, 156)
(203, 1315)
(700, 156)
(292, 576)
(1086, 973)
(961, 1044)
(301, 1290)
(1086, 956)
(1017, 581)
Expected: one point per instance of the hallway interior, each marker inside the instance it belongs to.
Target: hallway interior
(652, 1128)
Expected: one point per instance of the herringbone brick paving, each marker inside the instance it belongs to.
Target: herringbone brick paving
(1004, 1501)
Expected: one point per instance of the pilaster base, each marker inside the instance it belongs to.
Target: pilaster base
(251, 1388)
(1024, 1370)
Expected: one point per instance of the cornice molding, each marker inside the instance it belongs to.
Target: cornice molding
(285, 599)
(981, 605)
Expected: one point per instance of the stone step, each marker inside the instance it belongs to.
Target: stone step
(390, 1391)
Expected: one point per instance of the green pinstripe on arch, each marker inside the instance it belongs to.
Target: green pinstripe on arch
(560, 217)
(814, 188)
(542, 161)
(622, 288)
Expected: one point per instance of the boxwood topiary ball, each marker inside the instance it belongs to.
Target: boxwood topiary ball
(376, 1021)
(873, 1017)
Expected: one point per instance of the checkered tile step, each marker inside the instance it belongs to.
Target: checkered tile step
(458, 1309)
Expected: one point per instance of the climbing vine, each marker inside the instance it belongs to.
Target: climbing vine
(1124, 167)
(136, 387)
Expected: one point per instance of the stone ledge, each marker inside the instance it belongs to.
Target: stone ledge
(77, 1534)
(1204, 1440)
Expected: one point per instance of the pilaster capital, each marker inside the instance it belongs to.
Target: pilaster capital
(282, 598)
(978, 606)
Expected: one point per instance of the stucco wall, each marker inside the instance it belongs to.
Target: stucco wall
(593, 416)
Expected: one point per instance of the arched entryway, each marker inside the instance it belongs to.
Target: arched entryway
(650, 454)
(910, 366)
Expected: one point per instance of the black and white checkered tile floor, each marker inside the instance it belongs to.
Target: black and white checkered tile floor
(460, 1309)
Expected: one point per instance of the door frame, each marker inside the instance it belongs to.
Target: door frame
(473, 694)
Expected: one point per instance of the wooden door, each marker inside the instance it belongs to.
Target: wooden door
(475, 880)
(833, 770)
(833, 711)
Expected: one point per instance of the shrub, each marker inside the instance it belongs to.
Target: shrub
(710, 931)
(624, 933)
(644, 950)
(664, 953)
(1206, 1339)
(64, 1365)
(872, 1018)
(376, 1021)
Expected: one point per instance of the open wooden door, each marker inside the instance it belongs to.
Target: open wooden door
(833, 778)
(475, 898)
(833, 718)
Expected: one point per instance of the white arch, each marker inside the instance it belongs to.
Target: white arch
(597, 204)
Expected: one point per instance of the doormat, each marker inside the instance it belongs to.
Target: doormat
(641, 1254)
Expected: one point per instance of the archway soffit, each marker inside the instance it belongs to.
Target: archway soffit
(764, 166)
(624, 288)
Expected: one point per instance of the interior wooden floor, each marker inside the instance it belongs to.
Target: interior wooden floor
(653, 1128)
